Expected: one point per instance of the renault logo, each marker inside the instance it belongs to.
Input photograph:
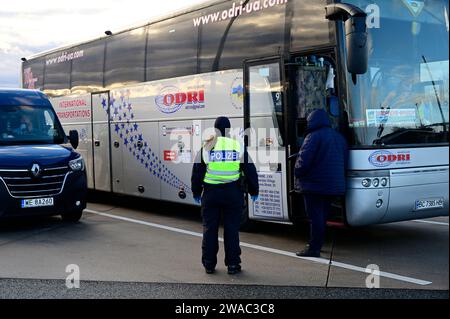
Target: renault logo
(36, 170)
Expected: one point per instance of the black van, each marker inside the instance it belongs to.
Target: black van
(40, 173)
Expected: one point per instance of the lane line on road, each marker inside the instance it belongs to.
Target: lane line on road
(430, 222)
(322, 261)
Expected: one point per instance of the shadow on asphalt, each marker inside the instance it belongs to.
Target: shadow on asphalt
(189, 213)
(28, 224)
(391, 233)
(387, 235)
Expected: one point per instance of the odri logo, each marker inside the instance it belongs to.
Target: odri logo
(171, 99)
(386, 158)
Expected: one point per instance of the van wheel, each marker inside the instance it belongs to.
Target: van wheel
(72, 217)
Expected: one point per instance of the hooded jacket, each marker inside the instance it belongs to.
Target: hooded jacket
(322, 160)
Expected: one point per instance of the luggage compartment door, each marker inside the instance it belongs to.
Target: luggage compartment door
(101, 141)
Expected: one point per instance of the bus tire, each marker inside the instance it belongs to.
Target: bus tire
(72, 217)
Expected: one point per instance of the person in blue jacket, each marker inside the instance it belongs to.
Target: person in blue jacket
(320, 175)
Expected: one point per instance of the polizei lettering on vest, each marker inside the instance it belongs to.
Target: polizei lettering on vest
(223, 156)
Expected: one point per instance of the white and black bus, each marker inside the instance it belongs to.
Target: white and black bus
(143, 98)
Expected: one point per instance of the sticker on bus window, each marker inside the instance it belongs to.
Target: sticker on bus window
(400, 117)
(270, 202)
(414, 6)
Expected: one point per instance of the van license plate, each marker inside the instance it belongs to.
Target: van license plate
(37, 202)
(429, 203)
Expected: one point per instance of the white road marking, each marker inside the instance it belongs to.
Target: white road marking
(267, 249)
(430, 222)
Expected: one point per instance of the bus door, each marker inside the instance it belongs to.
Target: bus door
(312, 85)
(264, 109)
(101, 141)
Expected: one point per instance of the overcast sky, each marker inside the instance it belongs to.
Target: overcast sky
(32, 26)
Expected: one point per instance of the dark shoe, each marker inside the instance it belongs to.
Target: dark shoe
(234, 269)
(308, 253)
(210, 271)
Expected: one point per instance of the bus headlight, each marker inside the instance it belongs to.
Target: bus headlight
(384, 182)
(366, 182)
(376, 182)
(77, 165)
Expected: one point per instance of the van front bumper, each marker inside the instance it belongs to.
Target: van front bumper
(74, 191)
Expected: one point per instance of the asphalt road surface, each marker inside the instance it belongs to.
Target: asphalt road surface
(132, 248)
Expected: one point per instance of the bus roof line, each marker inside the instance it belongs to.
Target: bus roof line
(167, 16)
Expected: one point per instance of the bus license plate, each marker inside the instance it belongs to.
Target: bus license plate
(429, 203)
(37, 202)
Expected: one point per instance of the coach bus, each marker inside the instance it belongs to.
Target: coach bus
(143, 99)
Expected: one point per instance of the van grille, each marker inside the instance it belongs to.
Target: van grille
(22, 184)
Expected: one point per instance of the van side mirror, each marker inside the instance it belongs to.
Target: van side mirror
(355, 34)
(74, 139)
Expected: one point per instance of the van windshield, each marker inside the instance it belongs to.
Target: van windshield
(29, 125)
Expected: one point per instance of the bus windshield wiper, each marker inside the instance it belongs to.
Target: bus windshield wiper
(381, 126)
(435, 90)
(423, 128)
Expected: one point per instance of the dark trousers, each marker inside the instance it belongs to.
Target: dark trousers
(228, 201)
(317, 207)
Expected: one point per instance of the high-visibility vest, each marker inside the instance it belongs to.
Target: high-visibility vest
(223, 162)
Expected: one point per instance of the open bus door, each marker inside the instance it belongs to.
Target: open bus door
(311, 84)
(278, 98)
(264, 119)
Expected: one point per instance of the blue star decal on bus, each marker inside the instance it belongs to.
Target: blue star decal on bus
(130, 133)
(239, 91)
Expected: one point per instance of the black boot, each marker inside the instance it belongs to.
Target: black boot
(210, 271)
(308, 252)
(234, 269)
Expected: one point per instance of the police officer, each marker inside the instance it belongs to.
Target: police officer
(217, 175)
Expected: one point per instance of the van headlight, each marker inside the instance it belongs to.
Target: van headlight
(77, 164)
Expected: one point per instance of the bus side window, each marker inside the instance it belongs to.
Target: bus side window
(315, 82)
(311, 87)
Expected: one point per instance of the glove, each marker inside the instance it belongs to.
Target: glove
(255, 198)
(198, 200)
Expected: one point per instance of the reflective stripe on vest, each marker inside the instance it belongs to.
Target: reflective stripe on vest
(223, 162)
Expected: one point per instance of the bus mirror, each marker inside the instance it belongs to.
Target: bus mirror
(74, 138)
(355, 34)
(357, 48)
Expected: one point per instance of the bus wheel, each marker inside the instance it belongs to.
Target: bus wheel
(72, 217)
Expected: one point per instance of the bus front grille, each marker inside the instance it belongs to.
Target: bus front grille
(22, 184)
